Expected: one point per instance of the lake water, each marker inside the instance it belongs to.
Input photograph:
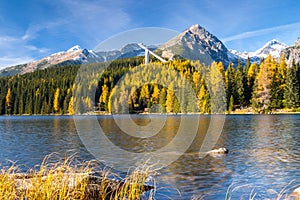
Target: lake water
(263, 158)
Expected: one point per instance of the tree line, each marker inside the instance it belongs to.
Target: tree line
(128, 86)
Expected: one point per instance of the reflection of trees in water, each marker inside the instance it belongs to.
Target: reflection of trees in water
(268, 154)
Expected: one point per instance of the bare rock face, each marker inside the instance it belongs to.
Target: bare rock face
(293, 53)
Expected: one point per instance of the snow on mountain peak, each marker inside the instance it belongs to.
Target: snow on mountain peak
(195, 27)
(273, 47)
(74, 48)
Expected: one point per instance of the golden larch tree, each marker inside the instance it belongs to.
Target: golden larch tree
(56, 100)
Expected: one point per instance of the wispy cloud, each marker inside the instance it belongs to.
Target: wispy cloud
(12, 61)
(6, 39)
(261, 32)
(92, 20)
(33, 30)
(73, 21)
(17, 50)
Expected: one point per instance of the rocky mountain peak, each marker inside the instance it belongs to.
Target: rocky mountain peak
(297, 43)
(292, 53)
(196, 43)
(197, 29)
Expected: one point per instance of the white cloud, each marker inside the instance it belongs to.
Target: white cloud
(34, 48)
(16, 50)
(6, 39)
(33, 30)
(19, 49)
(289, 27)
(12, 61)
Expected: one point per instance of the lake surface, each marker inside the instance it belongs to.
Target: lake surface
(263, 159)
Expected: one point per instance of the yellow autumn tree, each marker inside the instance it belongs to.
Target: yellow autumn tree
(196, 80)
(252, 72)
(155, 94)
(70, 107)
(8, 99)
(56, 100)
(282, 68)
(170, 99)
(262, 91)
(104, 94)
(103, 100)
(144, 95)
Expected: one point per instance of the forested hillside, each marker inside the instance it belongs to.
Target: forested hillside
(265, 87)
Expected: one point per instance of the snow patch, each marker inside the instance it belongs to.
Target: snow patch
(74, 48)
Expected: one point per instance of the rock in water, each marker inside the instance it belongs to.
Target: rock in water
(295, 194)
(222, 150)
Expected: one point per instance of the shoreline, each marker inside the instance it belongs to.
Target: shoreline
(167, 114)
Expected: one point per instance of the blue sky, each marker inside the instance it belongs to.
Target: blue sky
(31, 29)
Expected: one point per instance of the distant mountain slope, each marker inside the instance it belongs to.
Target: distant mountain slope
(273, 47)
(128, 51)
(75, 55)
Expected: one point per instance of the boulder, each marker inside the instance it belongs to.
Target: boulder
(295, 195)
(222, 150)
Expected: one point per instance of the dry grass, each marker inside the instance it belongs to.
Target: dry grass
(69, 179)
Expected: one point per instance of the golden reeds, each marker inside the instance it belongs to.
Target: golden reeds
(69, 179)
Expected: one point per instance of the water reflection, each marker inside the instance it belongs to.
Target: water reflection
(28, 139)
(263, 151)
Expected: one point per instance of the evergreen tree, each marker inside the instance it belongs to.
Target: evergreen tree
(251, 76)
(247, 86)
(230, 83)
(291, 92)
(240, 85)
(230, 107)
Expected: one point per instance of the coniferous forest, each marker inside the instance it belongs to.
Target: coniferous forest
(259, 87)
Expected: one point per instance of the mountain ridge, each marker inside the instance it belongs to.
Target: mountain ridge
(194, 43)
(272, 47)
